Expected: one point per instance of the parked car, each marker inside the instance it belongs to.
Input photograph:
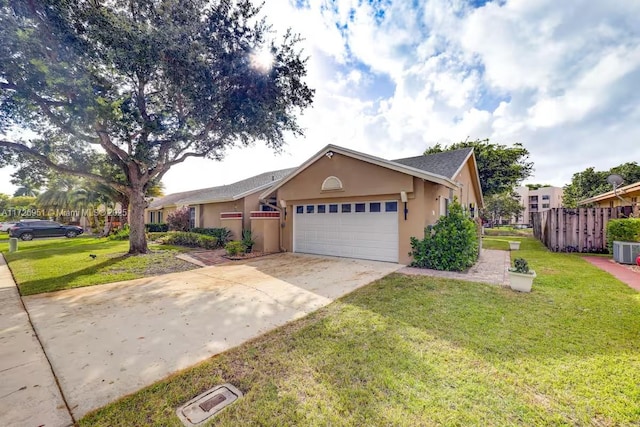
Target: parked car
(5, 226)
(28, 230)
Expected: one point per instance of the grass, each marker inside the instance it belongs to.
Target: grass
(426, 351)
(508, 231)
(54, 264)
(501, 243)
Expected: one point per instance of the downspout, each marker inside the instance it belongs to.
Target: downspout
(266, 203)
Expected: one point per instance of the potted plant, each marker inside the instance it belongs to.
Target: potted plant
(521, 278)
(514, 245)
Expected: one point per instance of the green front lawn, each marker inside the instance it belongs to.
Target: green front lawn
(426, 351)
(54, 264)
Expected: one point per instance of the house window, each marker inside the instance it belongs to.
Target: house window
(192, 217)
(299, 209)
(391, 206)
(321, 208)
(545, 206)
(267, 208)
(374, 207)
(332, 183)
(346, 208)
(151, 217)
(333, 208)
(159, 217)
(310, 208)
(360, 207)
(545, 197)
(444, 206)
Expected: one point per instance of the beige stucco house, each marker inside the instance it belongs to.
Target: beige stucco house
(623, 196)
(341, 202)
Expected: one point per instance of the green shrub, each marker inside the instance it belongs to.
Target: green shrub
(623, 230)
(234, 248)
(451, 244)
(156, 228)
(192, 240)
(223, 234)
(121, 234)
(247, 240)
(155, 235)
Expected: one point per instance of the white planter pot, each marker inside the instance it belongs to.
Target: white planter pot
(514, 246)
(521, 282)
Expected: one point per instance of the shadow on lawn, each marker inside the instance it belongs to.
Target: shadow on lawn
(31, 287)
(498, 323)
(56, 247)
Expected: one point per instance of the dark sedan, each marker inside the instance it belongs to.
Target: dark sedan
(28, 230)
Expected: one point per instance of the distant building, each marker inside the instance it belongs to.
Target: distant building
(540, 200)
(623, 196)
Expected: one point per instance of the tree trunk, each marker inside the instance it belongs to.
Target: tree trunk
(137, 205)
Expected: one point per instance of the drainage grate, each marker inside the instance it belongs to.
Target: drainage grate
(208, 405)
(199, 409)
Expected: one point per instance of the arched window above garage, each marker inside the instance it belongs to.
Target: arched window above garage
(332, 183)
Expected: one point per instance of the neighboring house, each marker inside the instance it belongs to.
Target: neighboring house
(539, 200)
(344, 203)
(206, 205)
(623, 196)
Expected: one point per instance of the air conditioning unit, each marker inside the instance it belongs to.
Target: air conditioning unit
(626, 252)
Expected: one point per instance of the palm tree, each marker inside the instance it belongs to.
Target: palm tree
(26, 189)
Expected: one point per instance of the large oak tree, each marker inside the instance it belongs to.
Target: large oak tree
(149, 83)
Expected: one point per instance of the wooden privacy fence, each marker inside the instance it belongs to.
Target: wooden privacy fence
(577, 230)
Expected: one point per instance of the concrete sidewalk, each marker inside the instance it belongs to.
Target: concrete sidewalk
(29, 395)
(492, 267)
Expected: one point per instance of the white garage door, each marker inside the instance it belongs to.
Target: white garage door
(367, 230)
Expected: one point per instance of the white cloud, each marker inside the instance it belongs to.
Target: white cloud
(392, 78)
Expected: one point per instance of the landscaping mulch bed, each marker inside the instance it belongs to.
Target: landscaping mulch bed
(254, 254)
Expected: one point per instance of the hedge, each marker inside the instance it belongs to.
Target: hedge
(193, 240)
(622, 230)
(222, 234)
(156, 228)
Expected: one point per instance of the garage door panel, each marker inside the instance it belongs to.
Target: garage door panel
(367, 235)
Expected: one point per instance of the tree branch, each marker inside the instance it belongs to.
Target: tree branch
(21, 148)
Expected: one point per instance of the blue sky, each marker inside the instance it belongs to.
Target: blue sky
(395, 77)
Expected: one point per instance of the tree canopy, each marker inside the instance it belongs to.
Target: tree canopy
(591, 182)
(146, 83)
(500, 206)
(501, 168)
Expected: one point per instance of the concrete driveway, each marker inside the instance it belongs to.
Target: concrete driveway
(110, 340)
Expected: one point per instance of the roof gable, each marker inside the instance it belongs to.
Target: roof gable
(399, 167)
